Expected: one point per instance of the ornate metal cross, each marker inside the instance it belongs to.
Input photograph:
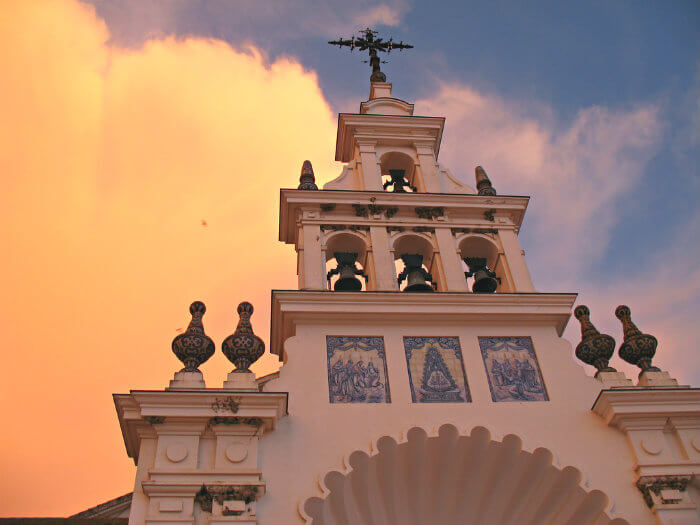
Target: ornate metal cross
(368, 41)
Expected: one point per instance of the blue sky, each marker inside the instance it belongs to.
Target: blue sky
(606, 92)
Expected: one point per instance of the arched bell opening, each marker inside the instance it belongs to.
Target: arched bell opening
(346, 260)
(453, 478)
(398, 170)
(483, 265)
(414, 257)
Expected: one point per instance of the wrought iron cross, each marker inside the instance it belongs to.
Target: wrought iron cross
(368, 40)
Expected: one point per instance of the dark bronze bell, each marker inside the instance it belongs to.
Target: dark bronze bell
(485, 281)
(415, 274)
(398, 181)
(346, 270)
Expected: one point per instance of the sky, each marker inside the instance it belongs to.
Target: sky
(124, 125)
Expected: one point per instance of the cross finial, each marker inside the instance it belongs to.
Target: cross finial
(369, 41)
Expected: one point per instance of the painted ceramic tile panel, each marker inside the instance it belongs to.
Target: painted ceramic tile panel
(436, 370)
(357, 370)
(512, 368)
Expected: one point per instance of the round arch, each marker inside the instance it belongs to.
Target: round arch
(345, 241)
(478, 245)
(455, 479)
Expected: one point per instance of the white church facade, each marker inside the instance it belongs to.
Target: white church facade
(424, 380)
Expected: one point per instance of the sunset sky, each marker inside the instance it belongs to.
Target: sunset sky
(125, 124)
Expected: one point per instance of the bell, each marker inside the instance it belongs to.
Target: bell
(415, 274)
(346, 270)
(485, 281)
(398, 181)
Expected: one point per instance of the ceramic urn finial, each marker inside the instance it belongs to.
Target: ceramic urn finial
(595, 348)
(637, 348)
(193, 347)
(243, 347)
(483, 183)
(307, 180)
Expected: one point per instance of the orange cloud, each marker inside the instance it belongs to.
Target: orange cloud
(111, 159)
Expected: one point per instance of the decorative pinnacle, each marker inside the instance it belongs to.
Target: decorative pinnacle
(483, 183)
(368, 41)
(193, 347)
(637, 348)
(307, 180)
(595, 348)
(243, 347)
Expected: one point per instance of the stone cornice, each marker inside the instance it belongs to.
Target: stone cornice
(622, 407)
(463, 210)
(391, 128)
(396, 105)
(290, 307)
(149, 412)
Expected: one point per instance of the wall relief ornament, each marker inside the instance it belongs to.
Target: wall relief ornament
(360, 210)
(208, 493)
(193, 347)
(595, 348)
(429, 212)
(226, 404)
(229, 420)
(333, 227)
(655, 484)
(243, 347)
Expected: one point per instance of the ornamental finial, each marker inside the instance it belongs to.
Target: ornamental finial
(595, 348)
(368, 41)
(243, 347)
(483, 183)
(193, 347)
(307, 180)
(637, 348)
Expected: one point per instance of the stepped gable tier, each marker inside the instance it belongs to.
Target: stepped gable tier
(464, 211)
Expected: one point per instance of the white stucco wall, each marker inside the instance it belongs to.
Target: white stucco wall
(316, 435)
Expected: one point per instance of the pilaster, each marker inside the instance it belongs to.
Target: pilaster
(515, 259)
(371, 175)
(383, 263)
(454, 280)
(428, 167)
(313, 276)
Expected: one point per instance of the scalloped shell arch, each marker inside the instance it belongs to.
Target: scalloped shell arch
(452, 478)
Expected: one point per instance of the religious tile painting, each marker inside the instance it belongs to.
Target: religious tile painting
(357, 370)
(436, 370)
(512, 369)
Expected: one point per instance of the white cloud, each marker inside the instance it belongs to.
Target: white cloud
(576, 176)
(382, 14)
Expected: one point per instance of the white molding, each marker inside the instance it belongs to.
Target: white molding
(396, 129)
(463, 210)
(290, 307)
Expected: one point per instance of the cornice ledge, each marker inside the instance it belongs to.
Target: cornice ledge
(292, 306)
(140, 410)
(291, 199)
(348, 124)
(618, 406)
